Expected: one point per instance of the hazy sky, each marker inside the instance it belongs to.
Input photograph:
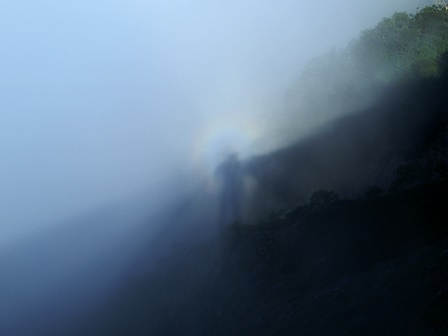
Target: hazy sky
(100, 99)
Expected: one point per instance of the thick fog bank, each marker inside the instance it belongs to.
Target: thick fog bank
(101, 101)
(63, 273)
(166, 100)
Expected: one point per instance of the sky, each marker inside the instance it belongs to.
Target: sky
(102, 100)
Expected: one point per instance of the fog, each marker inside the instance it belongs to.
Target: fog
(103, 100)
(127, 105)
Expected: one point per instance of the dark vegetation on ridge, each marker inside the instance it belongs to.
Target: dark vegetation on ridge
(404, 130)
(351, 235)
(374, 264)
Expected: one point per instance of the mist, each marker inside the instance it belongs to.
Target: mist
(112, 112)
(102, 101)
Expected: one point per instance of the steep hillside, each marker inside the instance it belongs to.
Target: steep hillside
(348, 232)
(370, 266)
(408, 123)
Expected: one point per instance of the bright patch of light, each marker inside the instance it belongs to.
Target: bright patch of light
(222, 137)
